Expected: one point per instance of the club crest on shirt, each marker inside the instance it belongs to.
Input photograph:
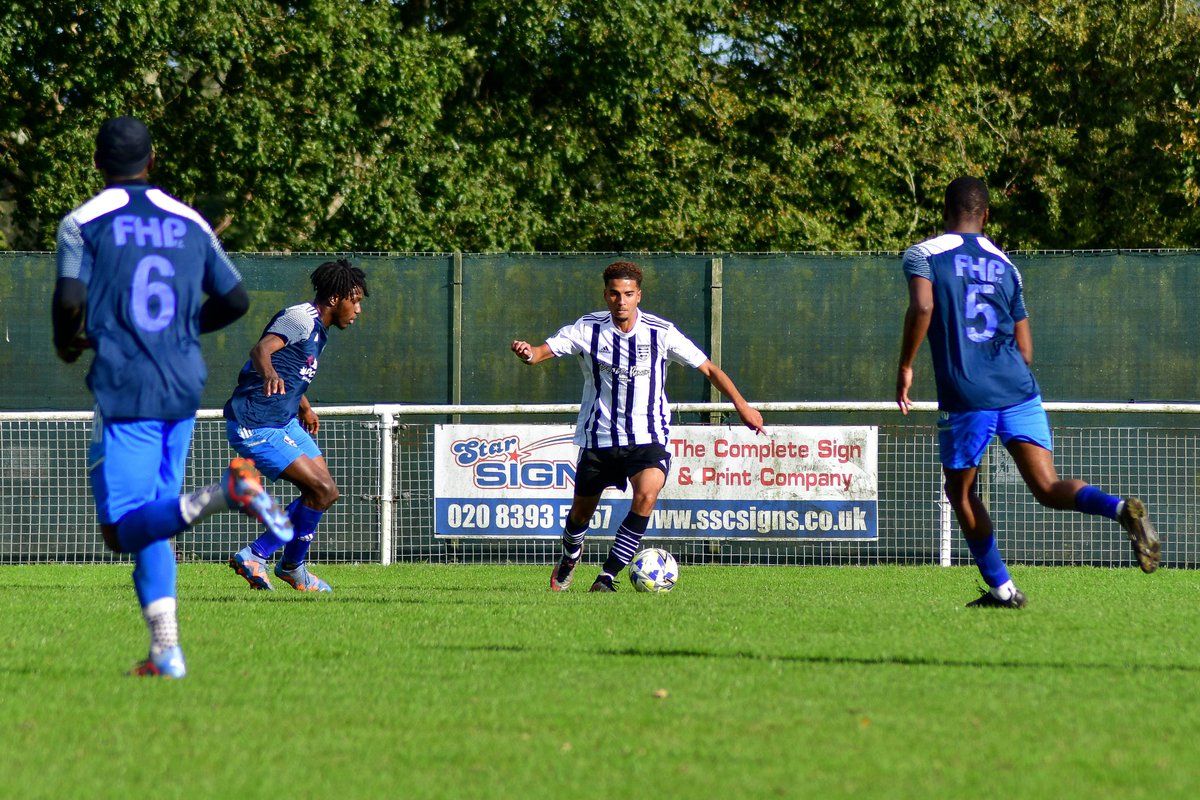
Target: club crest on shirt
(309, 370)
(643, 352)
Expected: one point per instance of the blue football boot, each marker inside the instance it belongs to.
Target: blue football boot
(243, 489)
(300, 578)
(168, 665)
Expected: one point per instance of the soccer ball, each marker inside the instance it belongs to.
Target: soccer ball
(653, 570)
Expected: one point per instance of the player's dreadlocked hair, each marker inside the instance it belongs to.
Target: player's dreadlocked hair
(966, 196)
(338, 279)
(619, 270)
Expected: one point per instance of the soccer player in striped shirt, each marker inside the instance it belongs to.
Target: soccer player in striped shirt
(134, 267)
(967, 296)
(622, 428)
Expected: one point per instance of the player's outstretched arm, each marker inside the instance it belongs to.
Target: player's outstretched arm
(717, 377)
(531, 354)
(916, 325)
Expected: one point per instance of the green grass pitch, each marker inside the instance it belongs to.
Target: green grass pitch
(444, 681)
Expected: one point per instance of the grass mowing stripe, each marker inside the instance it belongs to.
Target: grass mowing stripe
(477, 681)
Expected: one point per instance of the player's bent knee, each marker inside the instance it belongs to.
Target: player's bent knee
(111, 540)
(644, 504)
(325, 494)
(1042, 496)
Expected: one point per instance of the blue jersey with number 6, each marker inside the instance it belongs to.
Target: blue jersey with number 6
(148, 261)
(977, 301)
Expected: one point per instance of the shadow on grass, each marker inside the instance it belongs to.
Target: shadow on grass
(862, 661)
(289, 595)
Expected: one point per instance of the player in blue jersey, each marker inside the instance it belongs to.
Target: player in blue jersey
(269, 419)
(134, 267)
(622, 429)
(967, 297)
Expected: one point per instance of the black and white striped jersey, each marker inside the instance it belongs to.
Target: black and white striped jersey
(624, 376)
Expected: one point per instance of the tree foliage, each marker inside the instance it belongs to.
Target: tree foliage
(634, 124)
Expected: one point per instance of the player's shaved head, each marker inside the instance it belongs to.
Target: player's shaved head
(966, 197)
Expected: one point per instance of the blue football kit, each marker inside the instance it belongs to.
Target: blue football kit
(984, 386)
(147, 261)
(986, 389)
(266, 428)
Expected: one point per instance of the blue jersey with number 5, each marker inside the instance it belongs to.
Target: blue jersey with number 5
(148, 261)
(977, 301)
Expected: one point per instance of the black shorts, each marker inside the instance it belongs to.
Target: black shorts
(601, 467)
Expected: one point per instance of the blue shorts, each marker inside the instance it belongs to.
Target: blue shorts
(273, 449)
(131, 462)
(963, 436)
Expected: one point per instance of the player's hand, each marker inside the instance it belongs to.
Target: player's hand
(904, 379)
(273, 385)
(523, 351)
(752, 420)
(70, 353)
(309, 420)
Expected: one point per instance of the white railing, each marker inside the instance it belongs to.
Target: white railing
(387, 486)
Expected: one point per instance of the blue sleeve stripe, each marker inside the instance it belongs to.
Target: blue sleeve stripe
(222, 258)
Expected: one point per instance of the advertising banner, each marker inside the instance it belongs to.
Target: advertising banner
(810, 483)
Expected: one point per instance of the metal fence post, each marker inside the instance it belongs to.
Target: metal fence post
(946, 520)
(456, 347)
(387, 491)
(716, 307)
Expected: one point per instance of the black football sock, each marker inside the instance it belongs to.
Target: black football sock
(629, 535)
(572, 538)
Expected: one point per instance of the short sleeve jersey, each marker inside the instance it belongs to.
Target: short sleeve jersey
(624, 374)
(304, 337)
(148, 260)
(977, 300)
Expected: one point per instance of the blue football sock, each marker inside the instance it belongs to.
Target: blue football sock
(154, 572)
(988, 559)
(304, 522)
(1091, 500)
(155, 521)
(267, 543)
